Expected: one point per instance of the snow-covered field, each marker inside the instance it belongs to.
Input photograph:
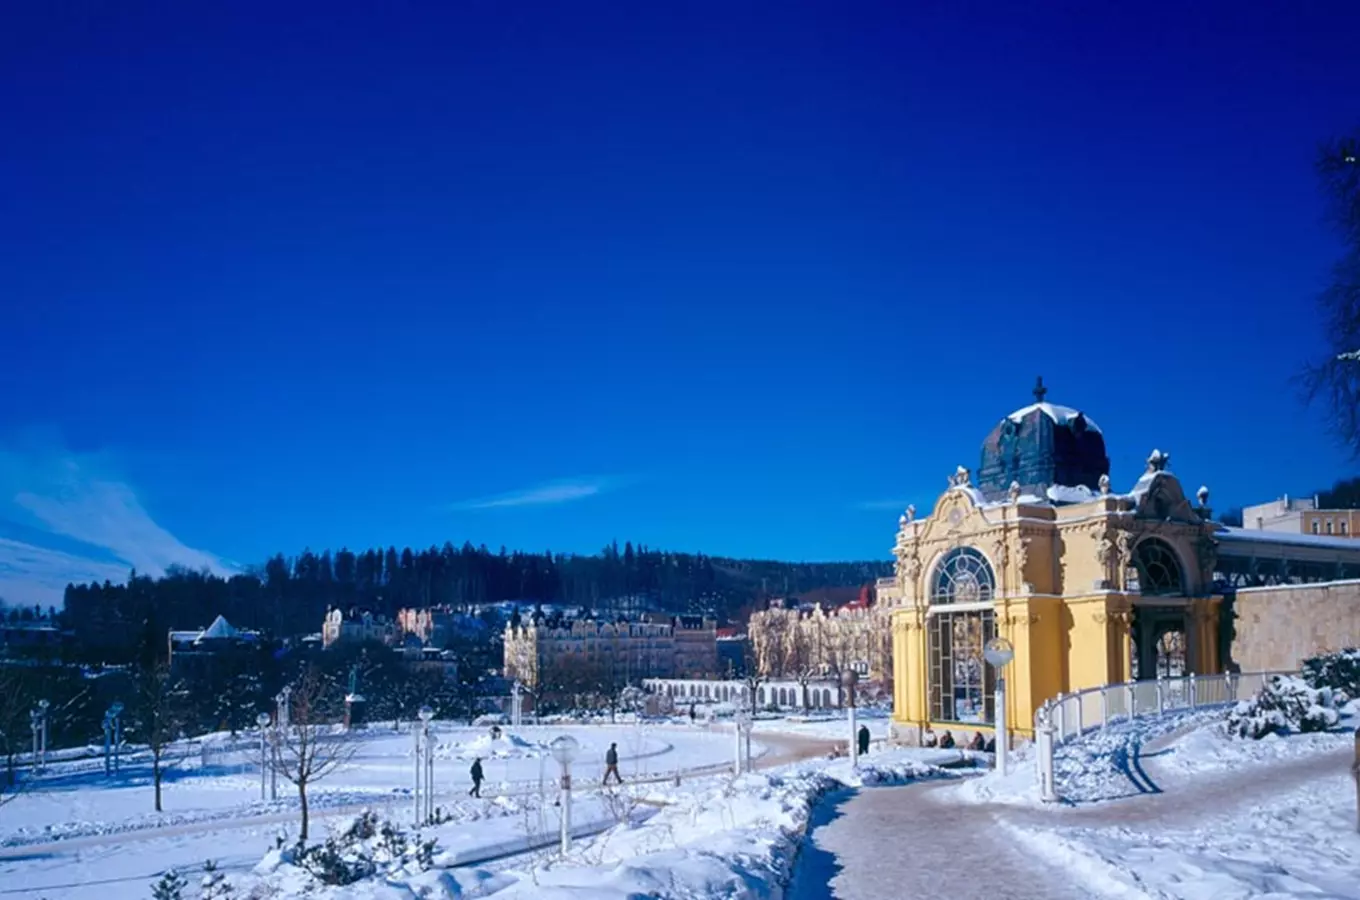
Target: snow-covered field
(55, 837)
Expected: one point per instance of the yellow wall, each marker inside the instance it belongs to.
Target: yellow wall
(1059, 598)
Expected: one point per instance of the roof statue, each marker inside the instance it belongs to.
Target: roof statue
(1054, 452)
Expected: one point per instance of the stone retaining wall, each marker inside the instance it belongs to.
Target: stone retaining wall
(1277, 627)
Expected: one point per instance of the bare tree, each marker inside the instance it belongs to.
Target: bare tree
(310, 748)
(1335, 377)
(16, 700)
(158, 716)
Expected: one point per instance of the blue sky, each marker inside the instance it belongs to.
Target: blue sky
(724, 277)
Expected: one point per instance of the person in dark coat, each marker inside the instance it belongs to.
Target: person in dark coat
(947, 740)
(477, 778)
(691, 712)
(863, 736)
(978, 742)
(611, 764)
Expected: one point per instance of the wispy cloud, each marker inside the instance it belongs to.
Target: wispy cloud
(881, 505)
(79, 522)
(550, 494)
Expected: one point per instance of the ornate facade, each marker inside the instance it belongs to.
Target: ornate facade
(1090, 585)
(789, 642)
(540, 650)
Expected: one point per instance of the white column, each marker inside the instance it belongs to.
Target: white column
(566, 810)
(854, 739)
(415, 788)
(1002, 737)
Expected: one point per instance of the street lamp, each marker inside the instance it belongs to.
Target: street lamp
(516, 705)
(34, 722)
(564, 749)
(43, 706)
(998, 653)
(281, 702)
(425, 714)
(263, 721)
(743, 732)
(113, 735)
(848, 680)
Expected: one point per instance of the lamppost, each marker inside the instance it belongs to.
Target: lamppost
(43, 706)
(426, 714)
(515, 705)
(34, 722)
(998, 654)
(848, 679)
(281, 707)
(743, 732)
(564, 749)
(263, 721)
(113, 735)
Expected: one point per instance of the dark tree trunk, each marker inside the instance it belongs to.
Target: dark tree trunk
(302, 801)
(156, 775)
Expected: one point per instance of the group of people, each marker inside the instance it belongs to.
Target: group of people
(611, 767)
(946, 741)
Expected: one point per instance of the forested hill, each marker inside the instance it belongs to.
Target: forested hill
(289, 596)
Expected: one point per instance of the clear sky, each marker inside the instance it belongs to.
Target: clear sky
(722, 277)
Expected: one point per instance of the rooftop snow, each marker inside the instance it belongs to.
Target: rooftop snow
(1062, 415)
(1230, 534)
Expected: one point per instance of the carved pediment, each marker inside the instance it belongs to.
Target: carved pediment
(1162, 499)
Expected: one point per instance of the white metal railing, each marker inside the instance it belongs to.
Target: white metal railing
(1069, 716)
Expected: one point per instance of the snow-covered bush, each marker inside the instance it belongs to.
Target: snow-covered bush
(1284, 704)
(1338, 671)
(214, 885)
(363, 848)
(170, 887)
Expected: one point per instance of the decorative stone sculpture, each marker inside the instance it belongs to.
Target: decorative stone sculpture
(1014, 492)
(1104, 484)
(1157, 461)
(1105, 555)
(961, 476)
(911, 512)
(1202, 495)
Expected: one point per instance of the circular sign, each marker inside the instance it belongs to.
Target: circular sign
(998, 652)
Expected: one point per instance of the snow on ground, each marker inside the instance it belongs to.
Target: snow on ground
(1296, 843)
(1198, 815)
(53, 836)
(716, 837)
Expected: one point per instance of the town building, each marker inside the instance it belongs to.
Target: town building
(545, 653)
(206, 650)
(1301, 515)
(357, 627)
(793, 641)
(35, 641)
(1091, 585)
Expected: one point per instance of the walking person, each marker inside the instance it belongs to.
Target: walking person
(611, 764)
(863, 737)
(477, 778)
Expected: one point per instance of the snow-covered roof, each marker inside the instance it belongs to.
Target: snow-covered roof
(1062, 415)
(220, 629)
(1232, 534)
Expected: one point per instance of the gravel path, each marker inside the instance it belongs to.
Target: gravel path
(912, 841)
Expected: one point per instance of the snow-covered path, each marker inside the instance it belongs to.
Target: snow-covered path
(913, 842)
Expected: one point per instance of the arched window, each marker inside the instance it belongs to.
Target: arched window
(960, 624)
(760, 696)
(1159, 571)
(963, 576)
(826, 696)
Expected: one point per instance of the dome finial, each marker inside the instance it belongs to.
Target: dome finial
(1039, 390)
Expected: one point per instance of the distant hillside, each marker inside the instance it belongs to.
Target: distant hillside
(290, 596)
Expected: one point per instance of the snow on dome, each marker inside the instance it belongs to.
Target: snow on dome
(1062, 415)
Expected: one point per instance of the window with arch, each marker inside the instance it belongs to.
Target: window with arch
(1159, 571)
(960, 624)
(963, 576)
